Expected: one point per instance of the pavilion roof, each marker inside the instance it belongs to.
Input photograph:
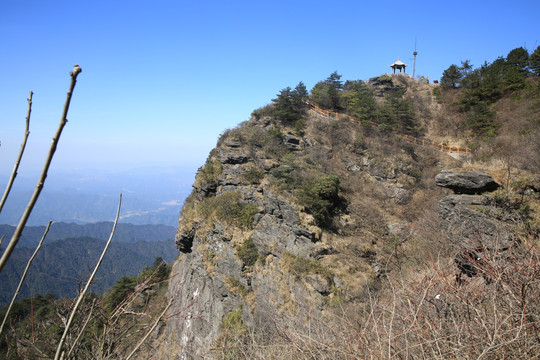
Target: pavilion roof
(398, 63)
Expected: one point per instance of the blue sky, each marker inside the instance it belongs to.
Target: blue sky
(162, 79)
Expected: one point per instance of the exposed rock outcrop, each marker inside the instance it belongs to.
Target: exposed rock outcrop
(466, 182)
(474, 223)
(289, 225)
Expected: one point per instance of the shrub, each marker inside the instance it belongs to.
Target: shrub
(321, 198)
(262, 112)
(209, 174)
(247, 252)
(301, 266)
(481, 122)
(121, 290)
(235, 286)
(229, 208)
(253, 175)
(437, 93)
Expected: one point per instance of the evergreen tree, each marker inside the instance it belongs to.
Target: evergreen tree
(519, 60)
(290, 105)
(534, 61)
(359, 99)
(327, 93)
(451, 77)
(466, 69)
(516, 69)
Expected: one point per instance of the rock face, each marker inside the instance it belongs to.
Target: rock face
(215, 274)
(253, 248)
(466, 182)
(474, 223)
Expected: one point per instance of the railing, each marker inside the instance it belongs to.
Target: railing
(418, 141)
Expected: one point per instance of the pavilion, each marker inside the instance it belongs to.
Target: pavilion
(398, 65)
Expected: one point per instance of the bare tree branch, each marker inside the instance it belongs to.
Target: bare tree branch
(89, 282)
(24, 275)
(22, 223)
(18, 161)
(81, 331)
(150, 331)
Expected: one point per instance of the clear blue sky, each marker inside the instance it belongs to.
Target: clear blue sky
(162, 79)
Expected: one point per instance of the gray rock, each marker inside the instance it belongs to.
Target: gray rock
(279, 208)
(184, 240)
(467, 221)
(466, 182)
(321, 284)
(233, 143)
(292, 142)
(232, 157)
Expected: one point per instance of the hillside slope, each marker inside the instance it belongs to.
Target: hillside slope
(323, 235)
(62, 266)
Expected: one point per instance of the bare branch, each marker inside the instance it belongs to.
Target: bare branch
(22, 223)
(89, 282)
(82, 330)
(150, 331)
(18, 161)
(24, 275)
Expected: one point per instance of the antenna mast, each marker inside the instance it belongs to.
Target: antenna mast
(414, 63)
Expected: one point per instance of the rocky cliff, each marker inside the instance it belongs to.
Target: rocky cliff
(289, 227)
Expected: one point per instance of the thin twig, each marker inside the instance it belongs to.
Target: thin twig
(24, 276)
(88, 283)
(18, 161)
(150, 331)
(22, 223)
(81, 331)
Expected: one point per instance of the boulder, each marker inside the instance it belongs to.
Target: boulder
(466, 182)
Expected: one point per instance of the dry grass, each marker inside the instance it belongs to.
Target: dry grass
(427, 315)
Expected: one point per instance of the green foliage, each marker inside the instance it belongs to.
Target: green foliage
(234, 285)
(247, 252)
(437, 93)
(481, 122)
(126, 285)
(77, 256)
(451, 77)
(290, 105)
(41, 305)
(288, 175)
(233, 335)
(262, 112)
(228, 207)
(534, 62)
(301, 266)
(232, 322)
(275, 133)
(397, 113)
(359, 99)
(518, 59)
(209, 174)
(321, 198)
(327, 93)
(253, 175)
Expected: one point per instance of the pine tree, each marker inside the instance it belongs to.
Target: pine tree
(451, 77)
(534, 61)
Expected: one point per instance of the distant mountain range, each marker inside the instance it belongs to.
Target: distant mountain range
(128, 233)
(70, 252)
(151, 195)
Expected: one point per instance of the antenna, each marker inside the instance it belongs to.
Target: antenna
(414, 63)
